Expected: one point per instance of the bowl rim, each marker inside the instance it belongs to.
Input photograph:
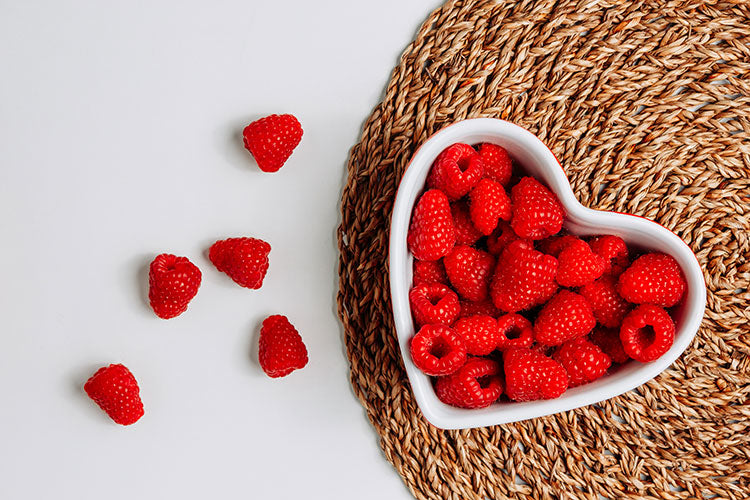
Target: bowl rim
(412, 183)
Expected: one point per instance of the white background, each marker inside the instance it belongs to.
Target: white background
(120, 139)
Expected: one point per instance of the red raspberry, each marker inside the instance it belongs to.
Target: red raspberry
(609, 308)
(476, 384)
(566, 316)
(514, 331)
(272, 139)
(613, 250)
(280, 350)
(426, 272)
(437, 350)
(431, 233)
(116, 392)
(471, 308)
(537, 213)
(433, 303)
(488, 204)
(173, 282)
(608, 341)
(466, 233)
(456, 171)
(500, 238)
(647, 333)
(479, 334)
(553, 246)
(469, 271)
(545, 350)
(530, 375)
(577, 265)
(583, 361)
(523, 278)
(245, 260)
(497, 164)
(654, 278)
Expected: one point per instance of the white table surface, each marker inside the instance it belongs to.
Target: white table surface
(120, 139)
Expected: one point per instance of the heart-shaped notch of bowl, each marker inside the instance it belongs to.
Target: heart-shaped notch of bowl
(537, 160)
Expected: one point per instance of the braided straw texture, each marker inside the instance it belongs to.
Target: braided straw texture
(647, 106)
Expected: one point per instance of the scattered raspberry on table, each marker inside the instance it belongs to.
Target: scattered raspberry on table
(271, 140)
(173, 282)
(116, 392)
(245, 260)
(281, 349)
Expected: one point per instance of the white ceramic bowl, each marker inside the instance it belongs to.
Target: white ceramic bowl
(538, 161)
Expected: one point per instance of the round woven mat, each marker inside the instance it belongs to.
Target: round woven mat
(647, 106)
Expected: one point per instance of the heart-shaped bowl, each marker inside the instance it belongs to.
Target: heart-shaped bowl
(537, 160)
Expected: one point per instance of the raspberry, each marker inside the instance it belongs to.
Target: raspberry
(647, 332)
(497, 164)
(245, 260)
(456, 171)
(583, 361)
(280, 350)
(479, 334)
(566, 316)
(116, 392)
(469, 271)
(523, 278)
(514, 331)
(426, 272)
(654, 278)
(433, 303)
(608, 341)
(173, 282)
(553, 246)
(530, 375)
(500, 238)
(471, 308)
(537, 213)
(614, 252)
(437, 350)
(466, 233)
(431, 233)
(488, 204)
(609, 308)
(477, 384)
(545, 350)
(272, 139)
(577, 265)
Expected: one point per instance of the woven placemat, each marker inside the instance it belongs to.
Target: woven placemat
(647, 106)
